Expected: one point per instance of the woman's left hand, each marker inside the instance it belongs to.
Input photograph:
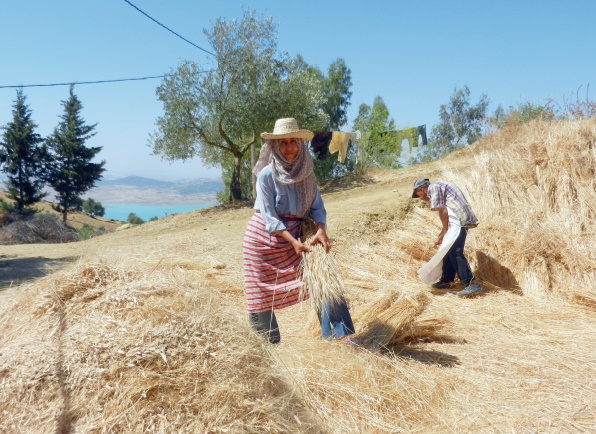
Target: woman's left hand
(321, 237)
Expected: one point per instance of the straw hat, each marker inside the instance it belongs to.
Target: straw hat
(287, 128)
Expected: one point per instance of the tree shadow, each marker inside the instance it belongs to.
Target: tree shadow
(65, 419)
(494, 276)
(15, 271)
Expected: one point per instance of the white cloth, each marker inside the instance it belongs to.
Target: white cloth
(433, 270)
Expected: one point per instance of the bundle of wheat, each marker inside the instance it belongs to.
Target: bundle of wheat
(389, 319)
(323, 283)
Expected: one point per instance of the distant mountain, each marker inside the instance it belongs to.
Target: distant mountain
(185, 187)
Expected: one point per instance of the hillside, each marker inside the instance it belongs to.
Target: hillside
(144, 330)
(147, 191)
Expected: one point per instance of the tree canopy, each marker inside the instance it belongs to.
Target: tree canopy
(218, 112)
(461, 123)
(23, 156)
(71, 171)
(378, 146)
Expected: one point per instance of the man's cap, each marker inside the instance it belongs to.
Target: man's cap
(420, 182)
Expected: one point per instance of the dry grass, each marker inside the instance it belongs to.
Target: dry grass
(123, 351)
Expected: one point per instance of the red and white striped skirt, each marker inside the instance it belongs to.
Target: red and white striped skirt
(271, 266)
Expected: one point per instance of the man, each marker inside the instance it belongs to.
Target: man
(456, 218)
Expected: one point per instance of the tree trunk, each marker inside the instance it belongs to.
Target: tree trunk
(235, 186)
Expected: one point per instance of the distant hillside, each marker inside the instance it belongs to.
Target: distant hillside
(185, 187)
(148, 191)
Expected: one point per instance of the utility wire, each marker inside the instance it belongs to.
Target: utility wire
(82, 82)
(168, 29)
(91, 82)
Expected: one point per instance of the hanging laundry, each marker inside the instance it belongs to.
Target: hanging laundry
(339, 142)
(319, 144)
(422, 132)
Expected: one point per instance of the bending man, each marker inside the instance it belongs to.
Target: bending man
(456, 218)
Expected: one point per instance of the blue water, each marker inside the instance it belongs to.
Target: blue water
(120, 211)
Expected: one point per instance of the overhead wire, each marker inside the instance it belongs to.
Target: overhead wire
(168, 29)
(90, 82)
(120, 79)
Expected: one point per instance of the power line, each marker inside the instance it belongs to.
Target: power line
(168, 29)
(84, 82)
(91, 82)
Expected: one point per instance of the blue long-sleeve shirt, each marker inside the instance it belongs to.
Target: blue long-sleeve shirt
(275, 199)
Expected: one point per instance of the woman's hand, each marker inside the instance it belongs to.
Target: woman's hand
(321, 237)
(299, 247)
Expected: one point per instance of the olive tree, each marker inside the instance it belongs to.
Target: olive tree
(217, 112)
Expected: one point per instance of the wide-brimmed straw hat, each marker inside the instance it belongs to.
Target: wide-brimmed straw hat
(288, 128)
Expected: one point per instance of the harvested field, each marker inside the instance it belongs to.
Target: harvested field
(144, 330)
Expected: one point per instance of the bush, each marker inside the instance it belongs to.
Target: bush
(93, 208)
(86, 232)
(153, 219)
(40, 228)
(133, 219)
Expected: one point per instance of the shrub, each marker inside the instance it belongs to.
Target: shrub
(133, 219)
(88, 231)
(40, 228)
(93, 208)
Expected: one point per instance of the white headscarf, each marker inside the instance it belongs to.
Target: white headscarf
(299, 172)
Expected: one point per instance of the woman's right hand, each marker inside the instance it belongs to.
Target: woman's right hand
(299, 247)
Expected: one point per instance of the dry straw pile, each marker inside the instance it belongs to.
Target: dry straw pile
(534, 191)
(110, 350)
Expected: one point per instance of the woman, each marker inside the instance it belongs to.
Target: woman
(286, 193)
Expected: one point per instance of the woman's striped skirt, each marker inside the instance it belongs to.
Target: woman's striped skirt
(271, 266)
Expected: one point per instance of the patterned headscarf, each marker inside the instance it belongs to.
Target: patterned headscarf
(299, 172)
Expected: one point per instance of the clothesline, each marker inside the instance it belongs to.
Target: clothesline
(338, 141)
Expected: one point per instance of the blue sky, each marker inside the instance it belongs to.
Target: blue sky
(411, 53)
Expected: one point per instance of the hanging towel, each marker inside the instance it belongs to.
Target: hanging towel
(339, 142)
(433, 270)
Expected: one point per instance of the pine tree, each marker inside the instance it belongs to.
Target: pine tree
(22, 156)
(71, 172)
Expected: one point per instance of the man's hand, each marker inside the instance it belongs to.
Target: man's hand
(439, 240)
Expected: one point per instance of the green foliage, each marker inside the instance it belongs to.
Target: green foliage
(153, 219)
(378, 147)
(133, 219)
(523, 113)
(330, 168)
(22, 156)
(88, 231)
(461, 124)
(217, 113)
(44, 216)
(71, 171)
(93, 208)
(7, 207)
(337, 94)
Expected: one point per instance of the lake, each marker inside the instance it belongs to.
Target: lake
(120, 211)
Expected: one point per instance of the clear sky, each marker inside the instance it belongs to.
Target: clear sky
(411, 53)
